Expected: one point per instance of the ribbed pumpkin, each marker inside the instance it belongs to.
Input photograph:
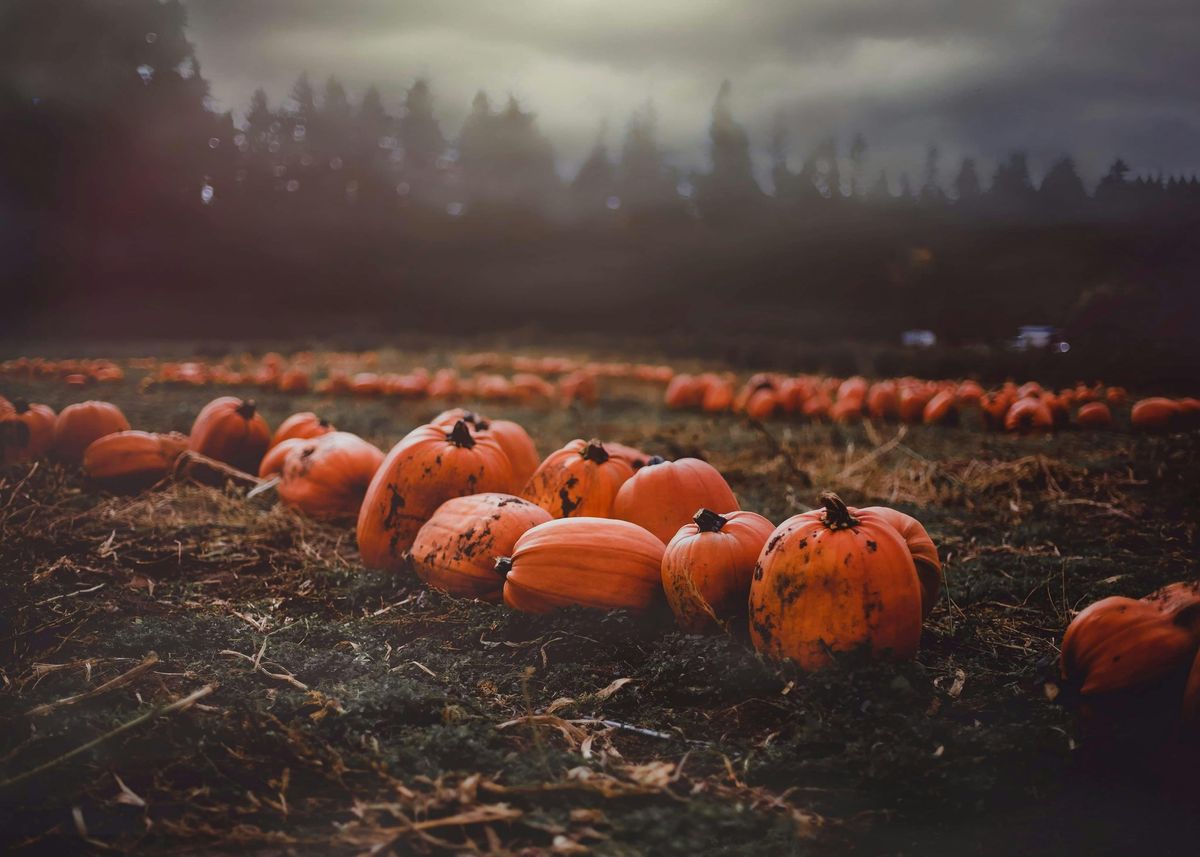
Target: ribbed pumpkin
(912, 402)
(940, 410)
(327, 476)
(883, 401)
(664, 495)
(457, 548)
(718, 394)
(579, 480)
(1156, 413)
(272, 462)
(231, 430)
(1094, 415)
(428, 467)
(924, 553)
(131, 461)
(26, 432)
(303, 425)
(588, 562)
(512, 437)
(1028, 415)
(831, 580)
(707, 567)
(684, 391)
(80, 424)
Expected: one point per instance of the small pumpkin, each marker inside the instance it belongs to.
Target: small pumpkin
(941, 409)
(26, 432)
(584, 561)
(327, 476)
(684, 391)
(231, 430)
(835, 579)
(883, 401)
(303, 425)
(707, 567)
(1028, 415)
(580, 480)
(130, 461)
(664, 495)
(912, 401)
(80, 424)
(1094, 415)
(1156, 413)
(456, 549)
(429, 466)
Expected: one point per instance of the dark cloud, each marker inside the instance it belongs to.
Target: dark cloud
(1091, 77)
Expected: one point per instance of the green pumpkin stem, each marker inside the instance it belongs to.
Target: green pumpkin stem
(709, 521)
(461, 435)
(837, 513)
(595, 452)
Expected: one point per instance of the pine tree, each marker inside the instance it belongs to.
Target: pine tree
(730, 183)
(966, 184)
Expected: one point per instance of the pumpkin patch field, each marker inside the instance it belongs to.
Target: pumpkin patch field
(493, 602)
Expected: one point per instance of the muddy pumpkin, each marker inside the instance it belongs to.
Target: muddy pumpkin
(130, 461)
(231, 430)
(456, 550)
(707, 567)
(580, 480)
(26, 432)
(924, 553)
(80, 424)
(431, 465)
(835, 579)
(587, 562)
(327, 476)
(513, 439)
(664, 495)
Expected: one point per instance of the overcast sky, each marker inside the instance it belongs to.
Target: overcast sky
(1094, 78)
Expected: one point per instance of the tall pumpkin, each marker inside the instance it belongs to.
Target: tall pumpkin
(327, 476)
(588, 562)
(579, 480)
(835, 579)
(26, 432)
(664, 495)
(428, 467)
(231, 430)
(80, 424)
(707, 567)
(456, 549)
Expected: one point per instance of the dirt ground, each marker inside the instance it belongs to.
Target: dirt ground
(270, 696)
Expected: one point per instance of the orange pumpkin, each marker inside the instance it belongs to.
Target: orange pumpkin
(940, 410)
(6, 408)
(684, 391)
(912, 403)
(327, 476)
(718, 394)
(1154, 414)
(294, 381)
(589, 562)
(512, 437)
(80, 424)
(428, 467)
(924, 553)
(968, 393)
(835, 579)
(883, 402)
(581, 479)
(129, 461)
(456, 549)
(707, 567)
(664, 495)
(272, 462)
(762, 404)
(1094, 415)
(303, 425)
(231, 430)
(26, 432)
(1028, 415)
(995, 407)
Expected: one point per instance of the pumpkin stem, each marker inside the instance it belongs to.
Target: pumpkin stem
(246, 409)
(323, 423)
(837, 513)
(460, 435)
(595, 452)
(20, 405)
(654, 459)
(503, 565)
(709, 521)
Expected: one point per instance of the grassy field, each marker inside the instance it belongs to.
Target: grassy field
(344, 710)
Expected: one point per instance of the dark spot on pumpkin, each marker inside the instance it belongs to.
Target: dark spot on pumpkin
(872, 546)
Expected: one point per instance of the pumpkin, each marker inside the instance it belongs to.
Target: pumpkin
(1028, 415)
(994, 407)
(579, 480)
(1116, 396)
(847, 411)
(231, 430)
(924, 553)
(762, 404)
(456, 549)
(272, 462)
(6, 408)
(912, 403)
(327, 476)
(294, 381)
(636, 458)
(718, 394)
(1094, 415)
(80, 424)
(579, 386)
(428, 467)
(707, 567)
(26, 432)
(512, 437)
(968, 393)
(883, 402)
(940, 410)
(129, 461)
(664, 495)
(1154, 414)
(684, 391)
(1118, 644)
(835, 579)
(303, 425)
(585, 561)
